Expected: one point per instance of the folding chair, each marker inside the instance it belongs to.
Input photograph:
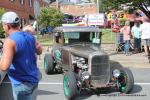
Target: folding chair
(119, 42)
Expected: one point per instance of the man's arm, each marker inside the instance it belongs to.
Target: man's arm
(8, 53)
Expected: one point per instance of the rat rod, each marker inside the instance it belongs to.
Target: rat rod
(77, 51)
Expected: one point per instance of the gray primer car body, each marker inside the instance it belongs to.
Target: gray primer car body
(76, 50)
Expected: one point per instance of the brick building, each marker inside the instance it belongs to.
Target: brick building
(75, 9)
(24, 8)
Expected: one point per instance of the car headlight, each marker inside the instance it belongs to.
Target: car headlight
(116, 73)
(85, 75)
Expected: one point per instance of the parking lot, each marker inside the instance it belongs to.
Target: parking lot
(51, 86)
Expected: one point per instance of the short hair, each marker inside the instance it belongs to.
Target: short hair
(13, 25)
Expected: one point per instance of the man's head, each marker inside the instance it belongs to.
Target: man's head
(10, 21)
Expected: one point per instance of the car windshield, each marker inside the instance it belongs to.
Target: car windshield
(89, 37)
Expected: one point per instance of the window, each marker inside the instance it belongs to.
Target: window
(21, 2)
(30, 3)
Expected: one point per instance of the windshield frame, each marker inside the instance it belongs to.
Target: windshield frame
(92, 38)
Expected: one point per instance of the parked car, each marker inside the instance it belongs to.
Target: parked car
(77, 52)
(68, 19)
(46, 30)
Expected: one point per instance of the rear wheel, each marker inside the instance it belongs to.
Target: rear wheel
(48, 64)
(125, 81)
(70, 85)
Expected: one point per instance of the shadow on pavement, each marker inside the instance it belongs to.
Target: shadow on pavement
(101, 91)
(106, 92)
(6, 90)
(40, 75)
(136, 89)
(41, 92)
(84, 95)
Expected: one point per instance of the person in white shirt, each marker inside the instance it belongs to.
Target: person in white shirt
(136, 36)
(145, 35)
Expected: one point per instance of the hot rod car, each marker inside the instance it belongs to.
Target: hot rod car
(77, 52)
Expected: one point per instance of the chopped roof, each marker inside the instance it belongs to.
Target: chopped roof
(76, 29)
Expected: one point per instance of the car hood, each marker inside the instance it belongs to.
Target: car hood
(85, 49)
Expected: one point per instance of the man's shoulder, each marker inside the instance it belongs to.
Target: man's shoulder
(9, 41)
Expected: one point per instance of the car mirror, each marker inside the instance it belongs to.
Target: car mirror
(66, 40)
(96, 40)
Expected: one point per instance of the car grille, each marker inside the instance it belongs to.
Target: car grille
(100, 69)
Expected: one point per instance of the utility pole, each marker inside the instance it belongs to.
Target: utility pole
(57, 4)
(97, 5)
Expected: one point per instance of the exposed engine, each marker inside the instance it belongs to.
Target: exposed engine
(81, 68)
(80, 62)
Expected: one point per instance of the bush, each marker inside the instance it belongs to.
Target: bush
(2, 34)
(50, 17)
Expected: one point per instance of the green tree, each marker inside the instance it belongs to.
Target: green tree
(106, 5)
(2, 11)
(50, 17)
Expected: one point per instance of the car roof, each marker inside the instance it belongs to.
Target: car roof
(77, 29)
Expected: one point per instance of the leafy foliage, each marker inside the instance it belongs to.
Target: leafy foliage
(2, 11)
(50, 17)
(115, 4)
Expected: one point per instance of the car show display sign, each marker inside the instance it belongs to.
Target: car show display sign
(95, 19)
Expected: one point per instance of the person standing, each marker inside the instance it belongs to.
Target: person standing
(145, 35)
(136, 36)
(126, 36)
(19, 59)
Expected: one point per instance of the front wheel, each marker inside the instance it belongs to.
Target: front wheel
(125, 81)
(70, 85)
(48, 64)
